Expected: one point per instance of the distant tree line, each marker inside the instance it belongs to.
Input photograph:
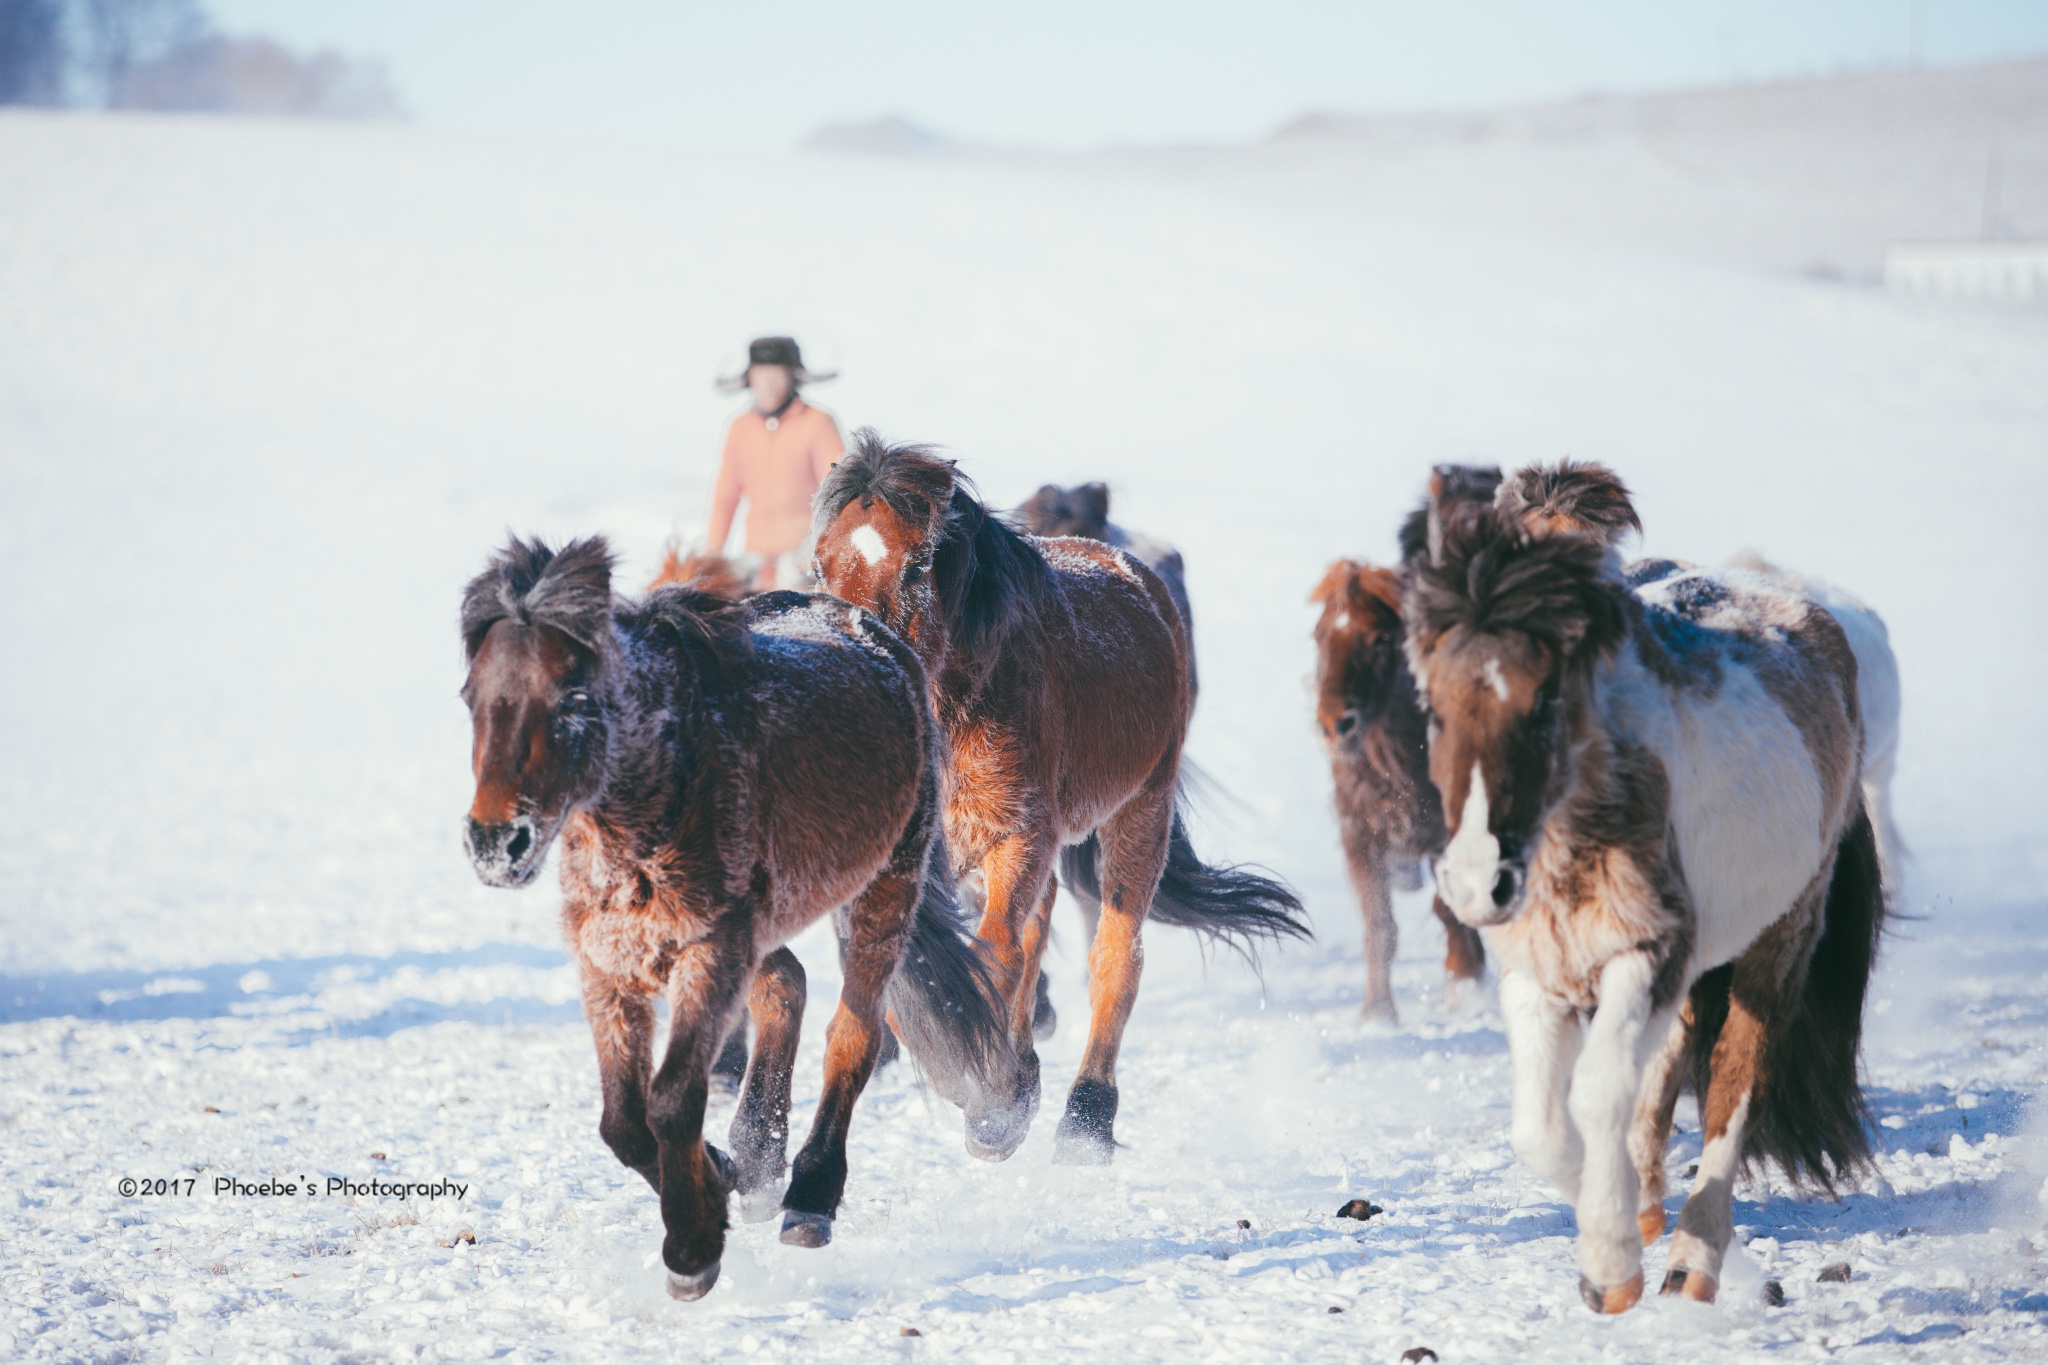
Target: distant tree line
(166, 54)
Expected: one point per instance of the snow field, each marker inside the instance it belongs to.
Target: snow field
(269, 394)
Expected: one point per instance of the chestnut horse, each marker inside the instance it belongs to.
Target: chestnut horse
(1059, 670)
(721, 774)
(1654, 802)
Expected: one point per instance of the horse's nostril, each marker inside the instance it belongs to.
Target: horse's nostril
(521, 840)
(1506, 883)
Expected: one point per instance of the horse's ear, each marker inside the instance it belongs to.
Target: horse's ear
(1333, 580)
(1093, 499)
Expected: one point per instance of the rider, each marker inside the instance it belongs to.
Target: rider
(776, 455)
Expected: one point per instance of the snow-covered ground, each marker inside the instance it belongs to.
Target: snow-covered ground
(267, 396)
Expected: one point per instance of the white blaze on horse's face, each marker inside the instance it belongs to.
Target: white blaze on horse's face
(868, 541)
(1470, 863)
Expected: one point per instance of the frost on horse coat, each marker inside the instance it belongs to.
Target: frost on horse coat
(1059, 670)
(1641, 790)
(720, 775)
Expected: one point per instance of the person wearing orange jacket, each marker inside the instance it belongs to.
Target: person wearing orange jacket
(776, 455)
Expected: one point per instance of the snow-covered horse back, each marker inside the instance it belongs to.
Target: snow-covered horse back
(721, 773)
(1642, 790)
(1059, 670)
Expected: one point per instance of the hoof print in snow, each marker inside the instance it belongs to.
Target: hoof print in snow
(1416, 1354)
(1359, 1209)
(1838, 1273)
(1774, 1294)
(909, 1332)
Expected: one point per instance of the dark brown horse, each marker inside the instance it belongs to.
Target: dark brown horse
(1059, 670)
(721, 774)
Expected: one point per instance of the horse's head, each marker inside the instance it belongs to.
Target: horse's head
(1503, 629)
(879, 519)
(537, 628)
(1358, 642)
(1054, 511)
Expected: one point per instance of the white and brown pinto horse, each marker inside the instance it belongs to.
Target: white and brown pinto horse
(1655, 812)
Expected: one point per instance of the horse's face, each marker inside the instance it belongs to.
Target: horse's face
(1358, 642)
(1494, 737)
(874, 557)
(1055, 511)
(538, 745)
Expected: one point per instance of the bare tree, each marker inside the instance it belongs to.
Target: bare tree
(123, 34)
(31, 52)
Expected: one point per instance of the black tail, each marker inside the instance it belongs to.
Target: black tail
(944, 1000)
(1235, 905)
(1811, 1119)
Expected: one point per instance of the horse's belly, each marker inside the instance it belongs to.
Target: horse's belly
(1747, 808)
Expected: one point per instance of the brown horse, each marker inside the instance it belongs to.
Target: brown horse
(1656, 812)
(1059, 670)
(721, 774)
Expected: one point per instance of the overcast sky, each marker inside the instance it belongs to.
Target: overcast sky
(745, 74)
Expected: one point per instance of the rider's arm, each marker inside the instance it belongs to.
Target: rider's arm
(725, 495)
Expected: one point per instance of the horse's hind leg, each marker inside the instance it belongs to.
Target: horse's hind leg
(878, 930)
(760, 1129)
(1133, 856)
(1707, 1222)
(704, 990)
(1382, 934)
(622, 1026)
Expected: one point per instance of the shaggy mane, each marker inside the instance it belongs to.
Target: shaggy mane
(990, 580)
(1491, 576)
(1570, 495)
(1449, 484)
(528, 581)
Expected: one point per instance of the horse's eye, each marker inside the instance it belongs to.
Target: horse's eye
(575, 699)
(912, 573)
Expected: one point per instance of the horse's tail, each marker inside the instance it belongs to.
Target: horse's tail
(1232, 904)
(1810, 1118)
(943, 999)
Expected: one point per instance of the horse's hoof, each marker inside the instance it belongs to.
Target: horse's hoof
(1696, 1285)
(1379, 1012)
(1081, 1149)
(800, 1229)
(722, 1169)
(1044, 1018)
(690, 1288)
(1616, 1298)
(1651, 1221)
(1087, 1131)
(759, 1205)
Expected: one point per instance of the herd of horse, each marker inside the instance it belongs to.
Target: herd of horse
(1654, 794)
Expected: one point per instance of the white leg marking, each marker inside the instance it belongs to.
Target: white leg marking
(1464, 875)
(869, 542)
(1543, 1041)
(1605, 1086)
(1707, 1222)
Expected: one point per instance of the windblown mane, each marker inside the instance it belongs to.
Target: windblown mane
(990, 580)
(1449, 484)
(1491, 575)
(1571, 495)
(569, 589)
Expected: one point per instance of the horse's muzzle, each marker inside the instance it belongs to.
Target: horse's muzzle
(1495, 899)
(505, 855)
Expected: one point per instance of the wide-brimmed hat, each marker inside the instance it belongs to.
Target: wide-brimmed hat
(775, 351)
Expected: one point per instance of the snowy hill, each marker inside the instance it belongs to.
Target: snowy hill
(269, 393)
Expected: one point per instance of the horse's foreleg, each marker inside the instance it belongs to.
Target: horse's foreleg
(1650, 1135)
(1382, 935)
(1464, 949)
(878, 931)
(760, 1129)
(1133, 856)
(1606, 1084)
(705, 985)
(1707, 1222)
(1017, 872)
(1544, 1038)
(622, 1025)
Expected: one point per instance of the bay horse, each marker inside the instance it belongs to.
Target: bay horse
(1389, 818)
(1059, 670)
(1654, 807)
(720, 774)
